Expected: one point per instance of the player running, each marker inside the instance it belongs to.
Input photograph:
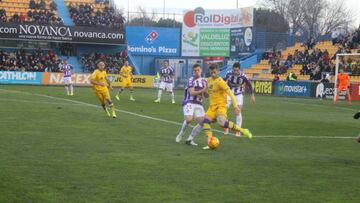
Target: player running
(166, 81)
(236, 80)
(67, 70)
(192, 105)
(218, 92)
(126, 73)
(100, 82)
(343, 85)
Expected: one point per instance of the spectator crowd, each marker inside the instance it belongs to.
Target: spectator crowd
(84, 15)
(37, 61)
(113, 62)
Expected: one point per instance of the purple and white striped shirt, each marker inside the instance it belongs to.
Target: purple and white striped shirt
(67, 70)
(236, 82)
(197, 84)
(167, 74)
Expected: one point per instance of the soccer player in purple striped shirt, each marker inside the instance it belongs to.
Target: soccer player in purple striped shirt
(192, 105)
(67, 70)
(236, 80)
(166, 81)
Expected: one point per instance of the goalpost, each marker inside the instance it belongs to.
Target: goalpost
(344, 59)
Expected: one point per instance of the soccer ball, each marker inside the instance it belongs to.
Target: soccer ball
(214, 143)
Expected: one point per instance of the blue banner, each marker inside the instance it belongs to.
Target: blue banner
(293, 88)
(15, 77)
(242, 41)
(153, 41)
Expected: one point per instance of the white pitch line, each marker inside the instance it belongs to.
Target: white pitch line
(36, 102)
(170, 122)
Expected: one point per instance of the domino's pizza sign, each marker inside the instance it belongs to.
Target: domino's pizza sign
(153, 41)
(152, 36)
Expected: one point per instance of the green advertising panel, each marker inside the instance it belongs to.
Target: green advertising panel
(214, 42)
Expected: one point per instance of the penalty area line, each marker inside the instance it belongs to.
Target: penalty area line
(167, 121)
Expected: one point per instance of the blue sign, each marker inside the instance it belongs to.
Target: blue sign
(242, 41)
(153, 41)
(293, 88)
(15, 77)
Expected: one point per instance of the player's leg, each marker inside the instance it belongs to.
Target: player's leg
(337, 95)
(67, 89)
(117, 96)
(229, 102)
(161, 88)
(111, 105)
(71, 86)
(188, 110)
(199, 115)
(101, 98)
(170, 89)
(238, 119)
(348, 95)
(131, 88)
(225, 123)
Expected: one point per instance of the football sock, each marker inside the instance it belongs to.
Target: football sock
(183, 127)
(67, 89)
(104, 107)
(239, 120)
(131, 93)
(172, 95)
(112, 107)
(207, 128)
(159, 94)
(233, 126)
(195, 131)
(120, 91)
(71, 89)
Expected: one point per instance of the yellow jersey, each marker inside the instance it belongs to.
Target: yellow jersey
(218, 91)
(100, 76)
(126, 71)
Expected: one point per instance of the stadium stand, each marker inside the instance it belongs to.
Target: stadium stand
(21, 11)
(309, 64)
(90, 13)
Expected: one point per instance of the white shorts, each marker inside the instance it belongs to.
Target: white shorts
(239, 100)
(168, 86)
(67, 81)
(195, 110)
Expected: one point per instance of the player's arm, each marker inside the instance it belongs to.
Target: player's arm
(108, 81)
(225, 87)
(94, 82)
(194, 92)
(249, 86)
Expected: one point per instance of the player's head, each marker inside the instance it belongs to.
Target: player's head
(342, 70)
(236, 68)
(214, 70)
(197, 70)
(165, 63)
(65, 61)
(126, 62)
(101, 65)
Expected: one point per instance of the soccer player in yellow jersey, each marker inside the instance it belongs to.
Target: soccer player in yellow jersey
(100, 83)
(218, 91)
(126, 73)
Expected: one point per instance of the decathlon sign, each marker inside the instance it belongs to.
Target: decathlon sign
(293, 88)
(153, 41)
(16, 77)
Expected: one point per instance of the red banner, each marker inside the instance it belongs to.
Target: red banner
(355, 92)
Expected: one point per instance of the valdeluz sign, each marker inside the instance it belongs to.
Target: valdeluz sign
(61, 33)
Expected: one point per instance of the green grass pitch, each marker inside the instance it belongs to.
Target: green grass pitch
(56, 148)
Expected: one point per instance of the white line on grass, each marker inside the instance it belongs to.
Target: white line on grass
(167, 121)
